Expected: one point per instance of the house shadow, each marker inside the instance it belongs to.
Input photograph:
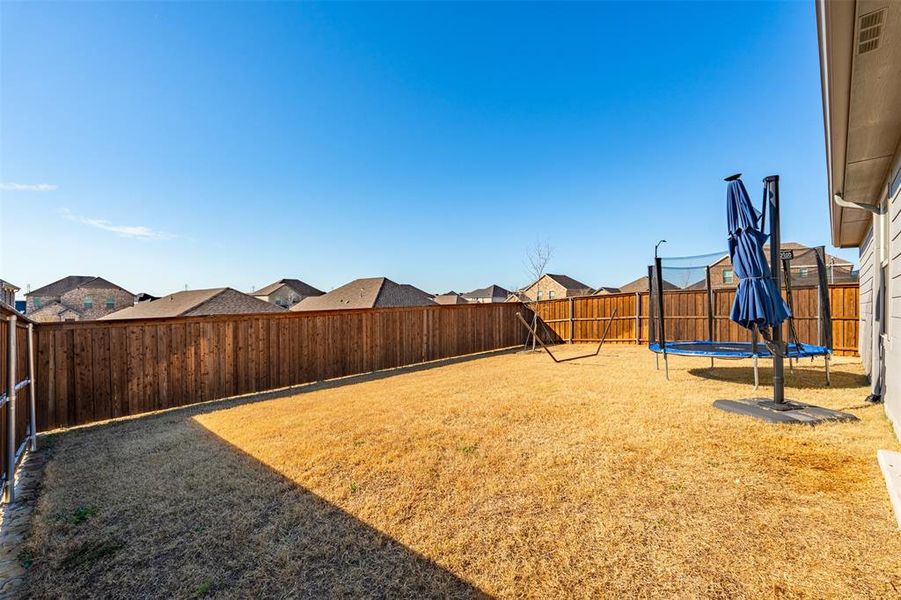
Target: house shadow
(182, 512)
(802, 377)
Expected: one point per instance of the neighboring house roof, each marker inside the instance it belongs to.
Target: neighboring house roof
(8, 285)
(641, 285)
(492, 291)
(567, 282)
(450, 298)
(214, 301)
(71, 282)
(604, 289)
(296, 285)
(369, 292)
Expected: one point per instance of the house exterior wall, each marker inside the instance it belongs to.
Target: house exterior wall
(892, 261)
(880, 298)
(867, 294)
(284, 297)
(547, 287)
(75, 299)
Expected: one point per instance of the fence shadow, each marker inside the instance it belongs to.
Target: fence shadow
(804, 377)
(178, 512)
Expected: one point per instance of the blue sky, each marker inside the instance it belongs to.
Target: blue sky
(208, 144)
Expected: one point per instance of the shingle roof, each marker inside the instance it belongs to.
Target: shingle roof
(299, 287)
(492, 291)
(368, 292)
(641, 285)
(71, 282)
(214, 301)
(450, 298)
(568, 282)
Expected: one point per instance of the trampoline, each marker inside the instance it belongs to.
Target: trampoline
(690, 298)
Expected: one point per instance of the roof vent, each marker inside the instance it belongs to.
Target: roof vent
(869, 32)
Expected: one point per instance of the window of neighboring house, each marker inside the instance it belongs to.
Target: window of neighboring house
(803, 272)
(728, 276)
(37, 303)
(110, 302)
(539, 295)
(550, 295)
(88, 302)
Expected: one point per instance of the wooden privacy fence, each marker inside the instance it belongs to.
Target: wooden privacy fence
(95, 370)
(17, 396)
(582, 319)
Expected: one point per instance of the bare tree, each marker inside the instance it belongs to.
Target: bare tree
(538, 256)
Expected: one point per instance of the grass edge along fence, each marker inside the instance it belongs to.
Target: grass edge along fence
(18, 433)
(91, 371)
(582, 318)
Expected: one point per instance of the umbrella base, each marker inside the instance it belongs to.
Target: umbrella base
(785, 412)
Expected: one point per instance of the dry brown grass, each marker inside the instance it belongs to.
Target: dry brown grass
(508, 475)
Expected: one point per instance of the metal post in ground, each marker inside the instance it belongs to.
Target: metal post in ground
(771, 184)
(33, 423)
(11, 412)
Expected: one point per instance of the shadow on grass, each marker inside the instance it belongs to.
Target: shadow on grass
(803, 377)
(181, 512)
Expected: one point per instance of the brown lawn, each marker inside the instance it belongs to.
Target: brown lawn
(508, 475)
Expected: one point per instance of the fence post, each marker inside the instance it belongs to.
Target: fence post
(572, 320)
(638, 318)
(32, 389)
(11, 413)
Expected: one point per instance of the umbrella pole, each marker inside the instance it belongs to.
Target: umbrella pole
(772, 196)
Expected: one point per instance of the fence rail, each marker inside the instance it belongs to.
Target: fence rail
(96, 370)
(582, 319)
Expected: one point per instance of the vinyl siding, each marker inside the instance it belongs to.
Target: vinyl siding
(893, 344)
(867, 296)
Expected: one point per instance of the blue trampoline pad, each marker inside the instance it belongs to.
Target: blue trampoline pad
(736, 349)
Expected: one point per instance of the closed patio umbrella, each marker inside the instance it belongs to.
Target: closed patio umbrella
(758, 303)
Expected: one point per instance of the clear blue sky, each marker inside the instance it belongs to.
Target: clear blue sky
(211, 144)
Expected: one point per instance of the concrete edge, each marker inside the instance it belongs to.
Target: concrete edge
(890, 463)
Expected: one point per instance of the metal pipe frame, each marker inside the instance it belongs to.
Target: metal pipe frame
(10, 491)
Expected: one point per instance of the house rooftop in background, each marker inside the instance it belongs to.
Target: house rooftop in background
(492, 293)
(369, 292)
(71, 282)
(552, 286)
(76, 298)
(8, 293)
(606, 289)
(450, 298)
(286, 292)
(192, 303)
(641, 285)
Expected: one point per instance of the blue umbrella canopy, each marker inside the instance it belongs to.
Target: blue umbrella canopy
(757, 299)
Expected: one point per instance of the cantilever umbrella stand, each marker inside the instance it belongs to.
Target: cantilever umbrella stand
(777, 409)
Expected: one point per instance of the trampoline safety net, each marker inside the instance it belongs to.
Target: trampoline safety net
(690, 296)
